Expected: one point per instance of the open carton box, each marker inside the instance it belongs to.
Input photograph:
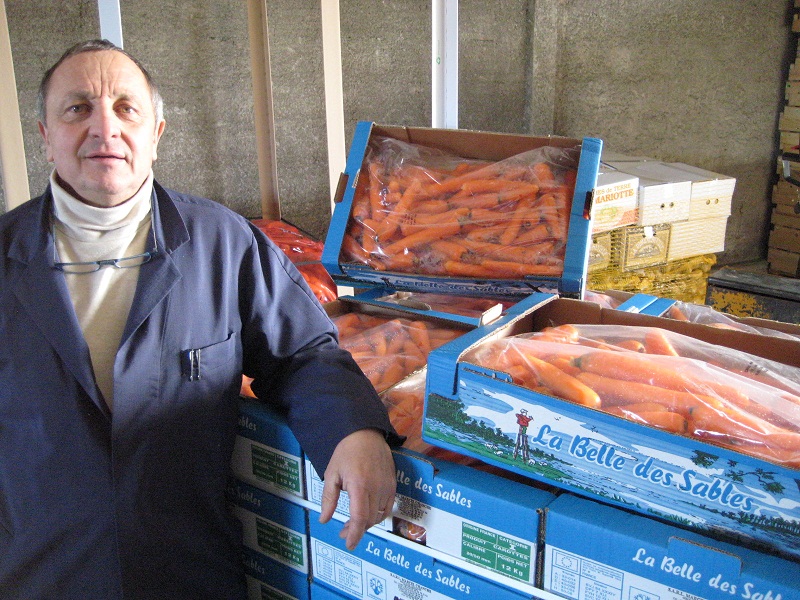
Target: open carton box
(477, 516)
(596, 551)
(381, 568)
(584, 159)
(698, 313)
(644, 469)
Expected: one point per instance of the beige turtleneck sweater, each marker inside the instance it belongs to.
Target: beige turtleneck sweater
(102, 300)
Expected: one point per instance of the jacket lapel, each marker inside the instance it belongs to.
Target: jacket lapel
(42, 293)
(157, 277)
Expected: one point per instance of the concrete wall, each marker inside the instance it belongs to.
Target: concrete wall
(697, 82)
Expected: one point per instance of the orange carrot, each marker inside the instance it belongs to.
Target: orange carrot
(386, 229)
(734, 424)
(454, 183)
(676, 313)
(353, 250)
(424, 236)
(669, 421)
(632, 345)
(499, 184)
(563, 385)
(543, 172)
(515, 222)
(417, 222)
(656, 342)
(644, 368)
(614, 392)
(449, 249)
(554, 215)
(419, 333)
(563, 363)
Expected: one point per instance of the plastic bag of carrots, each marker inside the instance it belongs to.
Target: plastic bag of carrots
(420, 210)
(705, 315)
(304, 252)
(389, 349)
(662, 379)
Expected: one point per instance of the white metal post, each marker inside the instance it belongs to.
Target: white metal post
(110, 21)
(444, 79)
(334, 96)
(12, 147)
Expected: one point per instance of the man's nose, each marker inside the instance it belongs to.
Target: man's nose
(104, 123)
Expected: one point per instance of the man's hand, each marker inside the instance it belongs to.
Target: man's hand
(362, 465)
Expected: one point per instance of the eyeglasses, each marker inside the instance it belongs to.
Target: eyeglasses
(82, 268)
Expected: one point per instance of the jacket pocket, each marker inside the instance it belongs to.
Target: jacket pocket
(200, 363)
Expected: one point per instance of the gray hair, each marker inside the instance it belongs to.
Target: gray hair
(96, 46)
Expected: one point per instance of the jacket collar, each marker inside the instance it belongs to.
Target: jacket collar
(34, 221)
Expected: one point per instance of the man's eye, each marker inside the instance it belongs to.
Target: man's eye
(78, 108)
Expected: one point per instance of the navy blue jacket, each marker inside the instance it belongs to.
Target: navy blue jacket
(95, 506)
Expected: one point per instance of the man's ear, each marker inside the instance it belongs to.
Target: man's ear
(159, 131)
(47, 149)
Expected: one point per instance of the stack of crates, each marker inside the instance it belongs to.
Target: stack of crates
(504, 492)
(657, 227)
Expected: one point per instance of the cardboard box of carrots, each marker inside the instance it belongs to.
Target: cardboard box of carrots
(463, 212)
(693, 424)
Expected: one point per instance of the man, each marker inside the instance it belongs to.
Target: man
(128, 314)
(523, 420)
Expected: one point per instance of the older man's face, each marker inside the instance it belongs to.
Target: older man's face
(101, 131)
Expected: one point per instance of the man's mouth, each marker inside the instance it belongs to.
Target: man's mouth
(105, 155)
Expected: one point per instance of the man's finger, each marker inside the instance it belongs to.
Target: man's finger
(330, 499)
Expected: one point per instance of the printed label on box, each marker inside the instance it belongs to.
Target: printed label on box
(577, 577)
(280, 543)
(272, 526)
(260, 464)
(476, 543)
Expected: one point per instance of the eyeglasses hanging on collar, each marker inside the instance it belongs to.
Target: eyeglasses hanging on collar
(92, 266)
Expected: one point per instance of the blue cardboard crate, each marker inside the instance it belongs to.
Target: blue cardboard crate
(269, 579)
(320, 592)
(273, 526)
(467, 144)
(651, 471)
(266, 454)
(470, 514)
(593, 550)
(380, 568)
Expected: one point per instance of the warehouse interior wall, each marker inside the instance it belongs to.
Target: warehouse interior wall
(686, 81)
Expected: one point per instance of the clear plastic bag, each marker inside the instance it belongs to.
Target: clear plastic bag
(390, 350)
(420, 210)
(661, 379)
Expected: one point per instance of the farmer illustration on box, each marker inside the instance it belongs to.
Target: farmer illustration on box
(523, 420)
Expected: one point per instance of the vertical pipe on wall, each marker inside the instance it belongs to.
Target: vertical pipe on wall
(444, 55)
(12, 147)
(334, 101)
(258, 33)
